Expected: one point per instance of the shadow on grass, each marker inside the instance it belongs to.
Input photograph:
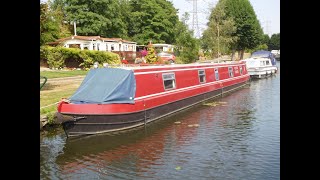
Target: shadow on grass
(49, 86)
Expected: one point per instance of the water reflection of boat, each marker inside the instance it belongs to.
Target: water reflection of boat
(141, 146)
(114, 99)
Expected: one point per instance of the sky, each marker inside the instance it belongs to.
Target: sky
(267, 11)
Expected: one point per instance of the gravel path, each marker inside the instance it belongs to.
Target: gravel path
(65, 79)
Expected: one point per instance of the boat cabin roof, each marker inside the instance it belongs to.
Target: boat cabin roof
(138, 68)
(257, 62)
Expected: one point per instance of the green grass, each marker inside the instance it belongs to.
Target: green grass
(51, 98)
(49, 94)
(52, 93)
(63, 73)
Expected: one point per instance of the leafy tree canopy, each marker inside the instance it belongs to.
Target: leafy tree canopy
(152, 20)
(219, 36)
(52, 24)
(98, 17)
(248, 30)
(187, 47)
(274, 43)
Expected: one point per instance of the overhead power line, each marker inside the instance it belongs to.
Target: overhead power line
(195, 24)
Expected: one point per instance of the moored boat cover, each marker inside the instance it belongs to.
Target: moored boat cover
(266, 54)
(106, 86)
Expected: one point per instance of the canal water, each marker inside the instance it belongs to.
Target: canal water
(234, 137)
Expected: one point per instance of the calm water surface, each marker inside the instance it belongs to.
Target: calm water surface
(237, 139)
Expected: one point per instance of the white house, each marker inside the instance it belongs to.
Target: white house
(97, 43)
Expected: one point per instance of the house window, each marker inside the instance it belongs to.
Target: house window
(112, 47)
(216, 73)
(240, 70)
(230, 72)
(169, 81)
(202, 76)
(74, 46)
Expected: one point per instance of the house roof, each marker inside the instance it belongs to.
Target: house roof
(111, 39)
(89, 38)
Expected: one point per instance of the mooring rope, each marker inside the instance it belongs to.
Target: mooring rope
(49, 105)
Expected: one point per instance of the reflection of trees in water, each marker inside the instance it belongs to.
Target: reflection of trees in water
(236, 125)
(229, 125)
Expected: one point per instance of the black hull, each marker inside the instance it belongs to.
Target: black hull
(77, 125)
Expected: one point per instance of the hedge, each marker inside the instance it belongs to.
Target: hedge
(57, 57)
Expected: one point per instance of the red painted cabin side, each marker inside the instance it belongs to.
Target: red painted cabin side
(150, 92)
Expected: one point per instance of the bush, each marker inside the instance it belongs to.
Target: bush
(178, 60)
(57, 56)
(260, 47)
(151, 56)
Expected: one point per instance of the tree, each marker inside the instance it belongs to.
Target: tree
(265, 39)
(187, 47)
(99, 17)
(52, 25)
(274, 42)
(152, 20)
(218, 37)
(49, 27)
(248, 29)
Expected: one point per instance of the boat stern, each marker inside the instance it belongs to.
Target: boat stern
(61, 117)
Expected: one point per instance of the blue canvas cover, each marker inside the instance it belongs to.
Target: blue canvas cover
(106, 86)
(265, 54)
(261, 54)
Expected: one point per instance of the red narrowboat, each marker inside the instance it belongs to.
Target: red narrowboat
(114, 99)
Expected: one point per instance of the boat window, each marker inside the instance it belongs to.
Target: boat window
(202, 76)
(240, 67)
(267, 62)
(169, 81)
(230, 71)
(216, 73)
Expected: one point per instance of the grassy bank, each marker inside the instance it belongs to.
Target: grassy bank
(53, 91)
